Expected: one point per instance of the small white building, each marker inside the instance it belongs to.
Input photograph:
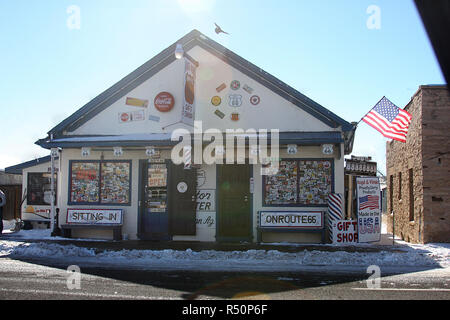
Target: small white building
(35, 205)
(117, 153)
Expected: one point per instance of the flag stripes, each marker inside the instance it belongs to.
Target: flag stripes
(391, 121)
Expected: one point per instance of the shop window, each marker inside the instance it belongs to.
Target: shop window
(100, 182)
(39, 188)
(299, 182)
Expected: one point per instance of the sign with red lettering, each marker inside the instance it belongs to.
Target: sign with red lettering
(164, 102)
(345, 232)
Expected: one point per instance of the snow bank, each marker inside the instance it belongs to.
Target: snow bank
(412, 255)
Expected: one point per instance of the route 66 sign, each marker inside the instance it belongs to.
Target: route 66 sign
(235, 100)
(292, 149)
(118, 151)
(327, 149)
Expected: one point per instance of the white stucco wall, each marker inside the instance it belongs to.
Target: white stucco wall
(205, 231)
(304, 152)
(273, 112)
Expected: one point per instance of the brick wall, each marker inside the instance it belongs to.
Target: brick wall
(421, 209)
(436, 164)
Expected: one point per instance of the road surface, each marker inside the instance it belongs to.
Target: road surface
(49, 279)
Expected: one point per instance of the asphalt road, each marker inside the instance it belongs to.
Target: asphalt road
(44, 280)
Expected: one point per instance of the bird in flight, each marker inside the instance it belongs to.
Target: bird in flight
(219, 29)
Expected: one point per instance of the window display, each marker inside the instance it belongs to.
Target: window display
(282, 187)
(85, 182)
(157, 188)
(100, 182)
(39, 188)
(304, 182)
(115, 182)
(315, 181)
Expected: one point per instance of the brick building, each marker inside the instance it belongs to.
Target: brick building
(418, 171)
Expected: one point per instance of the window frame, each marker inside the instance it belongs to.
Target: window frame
(100, 203)
(298, 204)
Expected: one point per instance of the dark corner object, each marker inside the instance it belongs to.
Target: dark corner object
(436, 19)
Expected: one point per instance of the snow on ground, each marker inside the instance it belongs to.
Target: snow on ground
(406, 255)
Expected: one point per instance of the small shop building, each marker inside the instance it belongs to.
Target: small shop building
(116, 154)
(34, 201)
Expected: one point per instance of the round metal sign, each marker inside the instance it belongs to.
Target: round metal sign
(164, 102)
(182, 187)
(216, 100)
(235, 85)
(255, 100)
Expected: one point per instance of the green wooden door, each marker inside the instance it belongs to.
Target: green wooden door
(234, 219)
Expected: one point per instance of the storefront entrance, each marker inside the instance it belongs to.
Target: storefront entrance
(234, 204)
(167, 201)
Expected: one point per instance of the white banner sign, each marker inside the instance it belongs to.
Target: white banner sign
(369, 209)
(345, 232)
(188, 111)
(291, 219)
(95, 216)
(206, 200)
(206, 220)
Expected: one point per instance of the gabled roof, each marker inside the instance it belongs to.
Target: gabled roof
(17, 169)
(166, 57)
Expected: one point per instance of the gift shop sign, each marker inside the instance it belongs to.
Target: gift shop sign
(95, 216)
(345, 231)
(291, 219)
(369, 209)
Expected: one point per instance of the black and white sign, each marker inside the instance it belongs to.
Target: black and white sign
(291, 219)
(206, 200)
(95, 216)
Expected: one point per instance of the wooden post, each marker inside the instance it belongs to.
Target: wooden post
(350, 197)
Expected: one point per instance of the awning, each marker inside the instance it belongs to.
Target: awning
(164, 139)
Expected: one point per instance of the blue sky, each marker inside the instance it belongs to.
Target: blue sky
(322, 48)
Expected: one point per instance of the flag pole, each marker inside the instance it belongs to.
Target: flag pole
(369, 111)
(355, 126)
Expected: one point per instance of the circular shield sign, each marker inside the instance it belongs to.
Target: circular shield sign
(164, 102)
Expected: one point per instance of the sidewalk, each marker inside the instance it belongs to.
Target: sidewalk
(102, 245)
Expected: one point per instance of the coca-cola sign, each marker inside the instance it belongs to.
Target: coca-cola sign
(164, 102)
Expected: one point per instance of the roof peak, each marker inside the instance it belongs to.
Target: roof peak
(165, 57)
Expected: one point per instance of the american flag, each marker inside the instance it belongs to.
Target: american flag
(371, 202)
(391, 121)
